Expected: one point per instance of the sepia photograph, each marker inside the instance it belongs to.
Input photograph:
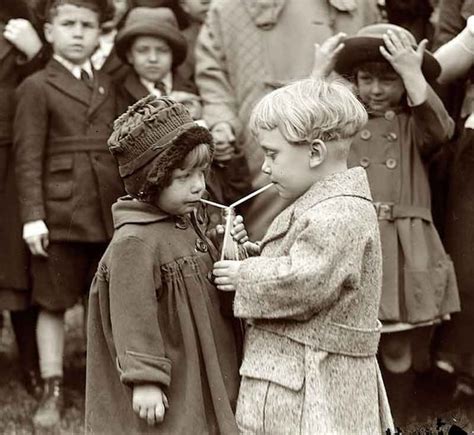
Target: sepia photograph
(223, 217)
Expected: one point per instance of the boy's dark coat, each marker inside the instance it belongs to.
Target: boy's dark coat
(13, 255)
(131, 89)
(65, 173)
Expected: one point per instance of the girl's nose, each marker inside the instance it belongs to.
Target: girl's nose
(199, 183)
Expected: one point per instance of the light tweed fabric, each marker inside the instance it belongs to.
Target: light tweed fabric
(312, 300)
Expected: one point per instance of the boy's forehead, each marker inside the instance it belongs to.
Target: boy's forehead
(83, 9)
(150, 40)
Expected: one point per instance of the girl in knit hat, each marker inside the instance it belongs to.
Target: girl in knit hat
(407, 124)
(160, 351)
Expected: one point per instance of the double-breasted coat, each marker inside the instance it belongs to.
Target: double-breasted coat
(311, 299)
(65, 173)
(155, 317)
(419, 283)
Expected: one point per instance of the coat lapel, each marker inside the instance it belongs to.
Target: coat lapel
(99, 93)
(134, 87)
(59, 77)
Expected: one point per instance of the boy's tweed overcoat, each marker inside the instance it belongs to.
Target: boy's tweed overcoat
(65, 172)
(312, 300)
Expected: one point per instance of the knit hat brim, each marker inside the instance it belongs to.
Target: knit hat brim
(170, 34)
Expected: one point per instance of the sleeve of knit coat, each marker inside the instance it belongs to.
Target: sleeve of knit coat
(212, 75)
(431, 123)
(30, 132)
(136, 333)
(325, 255)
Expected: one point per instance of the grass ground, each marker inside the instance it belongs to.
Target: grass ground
(17, 407)
(431, 410)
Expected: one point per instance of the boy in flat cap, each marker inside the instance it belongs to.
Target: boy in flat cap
(67, 180)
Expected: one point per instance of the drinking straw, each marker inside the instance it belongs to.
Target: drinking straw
(250, 195)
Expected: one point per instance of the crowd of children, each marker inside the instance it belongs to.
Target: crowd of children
(112, 132)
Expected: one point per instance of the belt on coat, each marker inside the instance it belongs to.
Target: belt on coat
(390, 211)
(329, 336)
(77, 144)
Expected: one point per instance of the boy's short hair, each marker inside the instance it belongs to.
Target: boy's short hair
(48, 9)
(310, 109)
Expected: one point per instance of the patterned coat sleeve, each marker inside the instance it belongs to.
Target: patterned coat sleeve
(326, 252)
(212, 76)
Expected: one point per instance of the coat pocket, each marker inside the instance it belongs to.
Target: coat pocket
(60, 181)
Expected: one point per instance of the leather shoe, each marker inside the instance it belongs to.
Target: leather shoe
(48, 414)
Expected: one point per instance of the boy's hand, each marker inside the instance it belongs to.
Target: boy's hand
(21, 34)
(325, 55)
(224, 141)
(404, 59)
(191, 101)
(36, 236)
(407, 61)
(238, 231)
(149, 402)
(225, 274)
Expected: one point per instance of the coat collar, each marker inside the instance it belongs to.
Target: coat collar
(129, 211)
(62, 79)
(352, 182)
(134, 86)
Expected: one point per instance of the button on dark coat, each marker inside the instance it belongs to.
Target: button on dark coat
(65, 173)
(154, 317)
(418, 277)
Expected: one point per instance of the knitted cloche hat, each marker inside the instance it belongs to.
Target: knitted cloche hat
(154, 135)
(365, 47)
(159, 22)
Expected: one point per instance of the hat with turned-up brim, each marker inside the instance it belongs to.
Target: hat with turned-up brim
(365, 47)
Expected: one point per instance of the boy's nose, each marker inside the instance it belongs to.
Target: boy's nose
(376, 87)
(199, 184)
(153, 56)
(78, 31)
(266, 168)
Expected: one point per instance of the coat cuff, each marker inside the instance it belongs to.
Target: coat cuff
(35, 213)
(140, 368)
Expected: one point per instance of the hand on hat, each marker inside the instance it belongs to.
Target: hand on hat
(325, 55)
(22, 35)
(404, 58)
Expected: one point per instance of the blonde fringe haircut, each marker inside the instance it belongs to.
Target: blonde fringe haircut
(312, 109)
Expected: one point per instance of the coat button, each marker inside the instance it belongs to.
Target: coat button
(391, 163)
(392, 137)
(365, 134)
(201, 245)
(389, 115)
(364, 162)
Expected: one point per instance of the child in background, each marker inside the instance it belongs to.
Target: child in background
(407, 124)
(311, 296)
(151, 42)
(67, 180)
(160, 351)
(19, 46)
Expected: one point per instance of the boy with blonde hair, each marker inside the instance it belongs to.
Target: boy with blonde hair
(311, 296)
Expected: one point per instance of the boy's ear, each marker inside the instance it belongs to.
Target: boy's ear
(317, 153)
(47, 32)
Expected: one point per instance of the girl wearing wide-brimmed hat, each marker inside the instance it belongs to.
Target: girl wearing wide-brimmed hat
(407, 124)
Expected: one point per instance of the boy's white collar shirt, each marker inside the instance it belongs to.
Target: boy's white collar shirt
(106, 43)
(150, 86)
(74, 69)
